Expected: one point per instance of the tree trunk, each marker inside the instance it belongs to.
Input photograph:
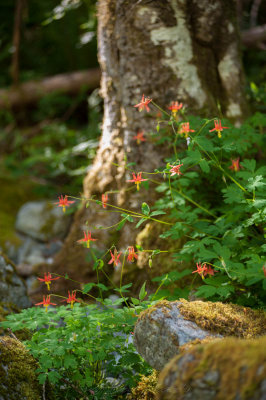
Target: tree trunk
(169, 50)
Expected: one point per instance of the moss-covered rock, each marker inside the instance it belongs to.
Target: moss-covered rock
(161, 330)
(18, 380)
(230, 369)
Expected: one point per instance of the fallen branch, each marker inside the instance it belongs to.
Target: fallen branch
(255, 36)
(29, 92)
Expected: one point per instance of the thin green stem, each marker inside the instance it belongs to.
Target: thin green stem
(97, 272)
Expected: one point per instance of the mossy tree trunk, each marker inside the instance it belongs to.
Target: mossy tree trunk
(169, 50)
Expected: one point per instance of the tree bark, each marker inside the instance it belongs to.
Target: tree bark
(169, 50)
(29, 92)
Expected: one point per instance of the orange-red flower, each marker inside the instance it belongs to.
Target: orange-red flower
(264, 270)
(175, 107)
(235, 165)
(137, 179)
(63, 202)
(185, 129)
(71, 298)
(87, 239)
(144, 104)
(131, 254)
(218, 127)
(46, 303)
(115, 258)
(201, 270)
(209, 270)
(47, 279)
(176, 169)
(104, 200)
(139, 137)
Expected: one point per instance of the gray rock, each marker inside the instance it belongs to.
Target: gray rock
(160, 331)
(12, 288)
(42, 220)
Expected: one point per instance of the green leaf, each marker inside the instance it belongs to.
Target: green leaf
(145, 208)
(205, 143)
(255, 182)
(250, 165)
(157, 213)
(140, 222)
(88, 287)
(101, 286)
(142, 292)
(42, 378)
(206, 291)
(70, 361)
(204, 165)
(123, 288)
(135, 301)
(98, 264)
(128, 217)
(194, 157)
(121, 224)
(155, 252)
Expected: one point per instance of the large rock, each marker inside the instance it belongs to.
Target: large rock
(42, 220)
(230, 368)
(160, 331)
(164, 327)
(12, 288)
(18, 380)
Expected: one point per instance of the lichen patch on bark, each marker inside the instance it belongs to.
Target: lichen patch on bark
(179, 56)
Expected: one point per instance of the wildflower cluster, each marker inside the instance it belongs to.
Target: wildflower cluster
(211, 206)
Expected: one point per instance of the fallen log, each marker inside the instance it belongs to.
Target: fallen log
(29, 92)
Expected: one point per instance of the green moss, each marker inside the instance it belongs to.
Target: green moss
(146, 388)
(17, 376)
(17, 373)
(226, 319)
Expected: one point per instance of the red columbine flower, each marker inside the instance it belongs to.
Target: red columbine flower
(144, 104)
(264, 270)
(185, 129)
(139, 137)
(63, 202)
(71, 298)
(104, 200)
(47, 279)
(175, 169)
(175, 107)
(131, 254)
(137, 179)
(201, 270)
(87, 238)
(218, 127)
(209, 270)
(235, 165)
(46, 303)
(115, 258)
